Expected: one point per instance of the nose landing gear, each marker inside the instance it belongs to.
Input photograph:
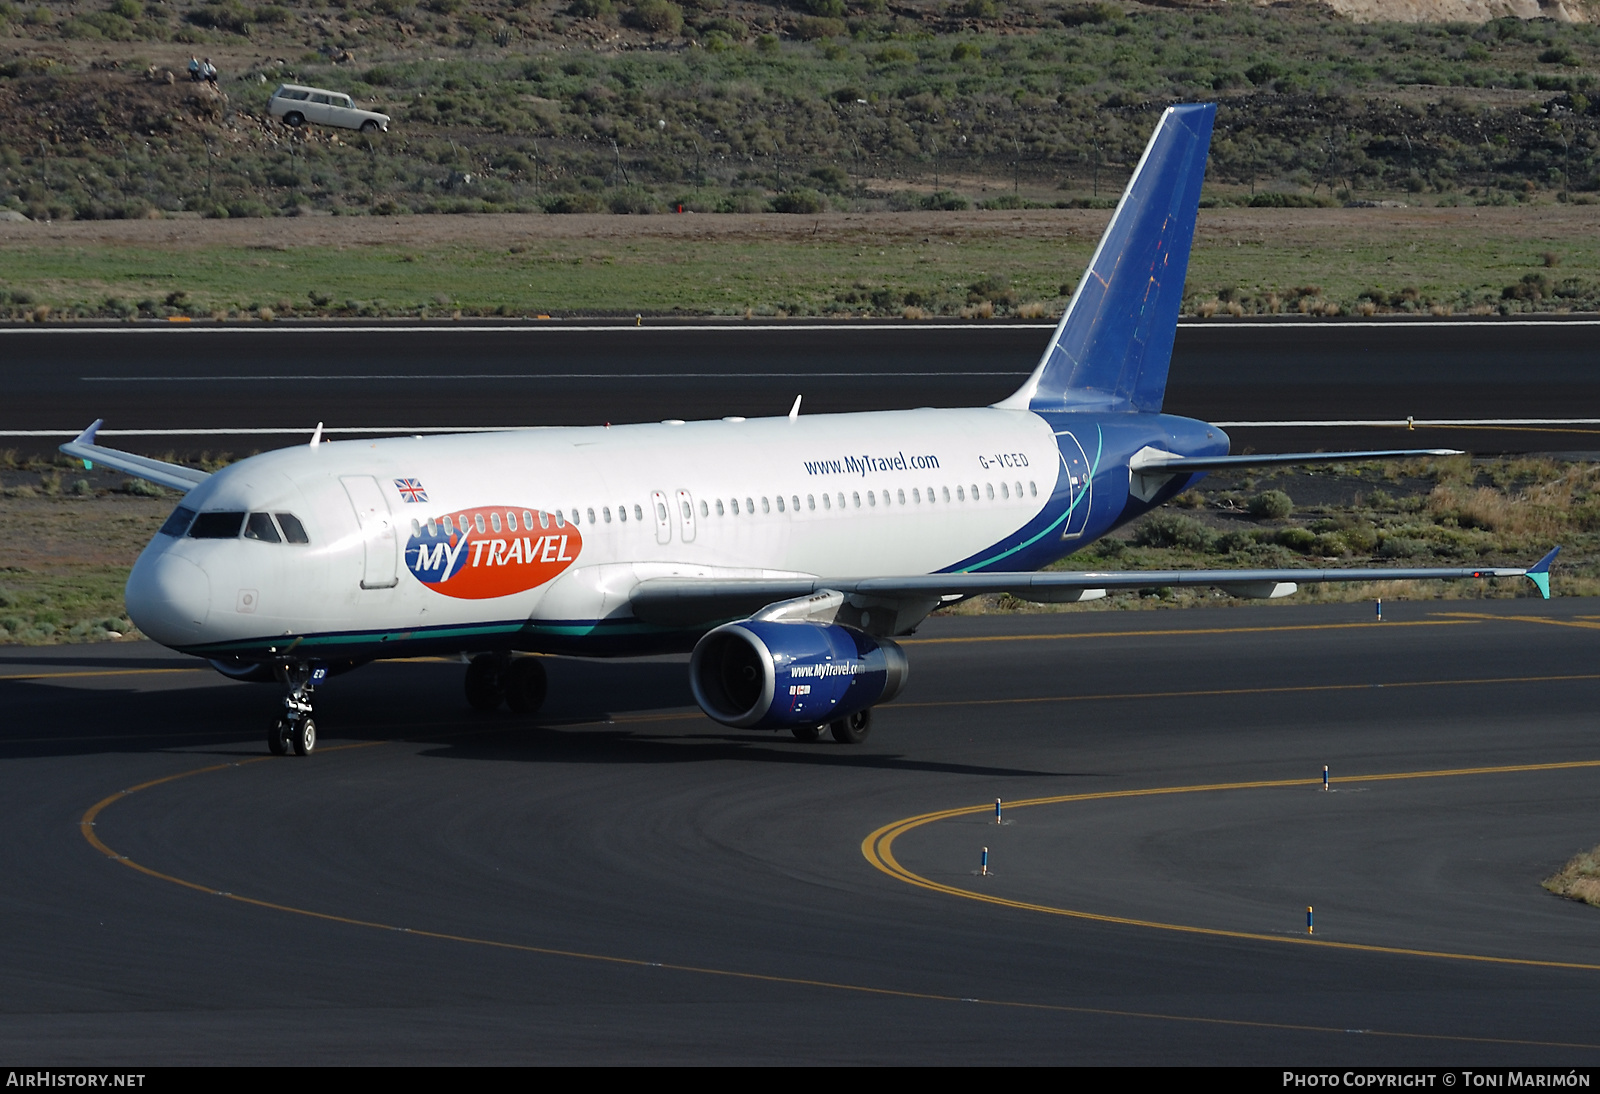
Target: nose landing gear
(295, 729)
(493, 679)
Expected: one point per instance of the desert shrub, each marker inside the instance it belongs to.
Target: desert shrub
(1401, 547)
(1271, 505)
(1077, 15)
(580, 202)
(810, 28)
(947, 200)
(799, 201)
(1297, 539)
(1165, 529)
(831, 179)
(1273, 199)
(660, 16)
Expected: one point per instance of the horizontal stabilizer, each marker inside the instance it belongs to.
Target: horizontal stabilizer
(171, 475)
(678, 601)
(1154, 460)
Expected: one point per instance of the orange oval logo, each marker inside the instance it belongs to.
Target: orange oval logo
(490, 551)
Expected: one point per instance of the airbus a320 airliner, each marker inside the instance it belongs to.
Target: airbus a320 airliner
(787, 553)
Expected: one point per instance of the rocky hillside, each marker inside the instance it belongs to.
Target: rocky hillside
(744, 105)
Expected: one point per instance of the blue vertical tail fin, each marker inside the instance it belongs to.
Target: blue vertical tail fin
(1112, 347)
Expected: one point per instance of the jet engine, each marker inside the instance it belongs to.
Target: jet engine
(763, 674)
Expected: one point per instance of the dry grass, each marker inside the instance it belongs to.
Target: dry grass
(1579, 879)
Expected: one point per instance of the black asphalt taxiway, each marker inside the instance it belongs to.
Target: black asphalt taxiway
(620, 879)
(237, 388)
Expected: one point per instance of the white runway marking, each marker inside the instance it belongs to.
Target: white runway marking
(290, 431)
(412, 430)
(1418, 422)
(451, 377)
(737, 326)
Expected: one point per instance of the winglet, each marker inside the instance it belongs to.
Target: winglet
(1539, 572)
(87, 437)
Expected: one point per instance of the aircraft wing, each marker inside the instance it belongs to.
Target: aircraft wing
(1151, 460)
(680, 601)
(172, 475)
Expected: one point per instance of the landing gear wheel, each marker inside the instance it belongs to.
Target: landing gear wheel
(806, 733)
(526, 685)
(304, 737)
(278, 738)
(852, 730)
(485, 689)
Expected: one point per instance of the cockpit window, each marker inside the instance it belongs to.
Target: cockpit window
(293, 530)
(260, 526)
(178, 523)
(217, 525)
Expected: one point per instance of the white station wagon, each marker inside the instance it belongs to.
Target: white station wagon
(298, 106)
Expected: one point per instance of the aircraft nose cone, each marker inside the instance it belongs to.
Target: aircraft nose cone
(168, 598)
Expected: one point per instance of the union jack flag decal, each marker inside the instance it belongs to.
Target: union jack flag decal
(411, 489)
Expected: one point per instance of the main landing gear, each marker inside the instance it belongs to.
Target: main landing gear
(850, 730)
(295, 728)
(494, 678)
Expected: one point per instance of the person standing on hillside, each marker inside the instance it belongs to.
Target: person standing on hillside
(194, 70)
(209, 71)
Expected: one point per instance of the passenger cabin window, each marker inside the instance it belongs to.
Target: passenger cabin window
(217, 526)
(705, 510)
(590, 513)
(494, 521)
(260, 526)
(606, 512)
(178, 523)
(638, 512)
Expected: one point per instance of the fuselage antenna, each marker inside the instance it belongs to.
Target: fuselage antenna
(794, 411)
(316, 438)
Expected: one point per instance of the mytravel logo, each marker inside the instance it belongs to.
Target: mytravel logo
(490, 551)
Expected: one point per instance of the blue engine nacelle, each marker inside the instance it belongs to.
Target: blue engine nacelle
(761, 674)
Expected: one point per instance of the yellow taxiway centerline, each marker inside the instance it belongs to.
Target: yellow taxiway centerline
(89, 821)
(878, 849)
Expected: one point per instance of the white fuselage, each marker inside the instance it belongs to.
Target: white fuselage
(583, 515)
